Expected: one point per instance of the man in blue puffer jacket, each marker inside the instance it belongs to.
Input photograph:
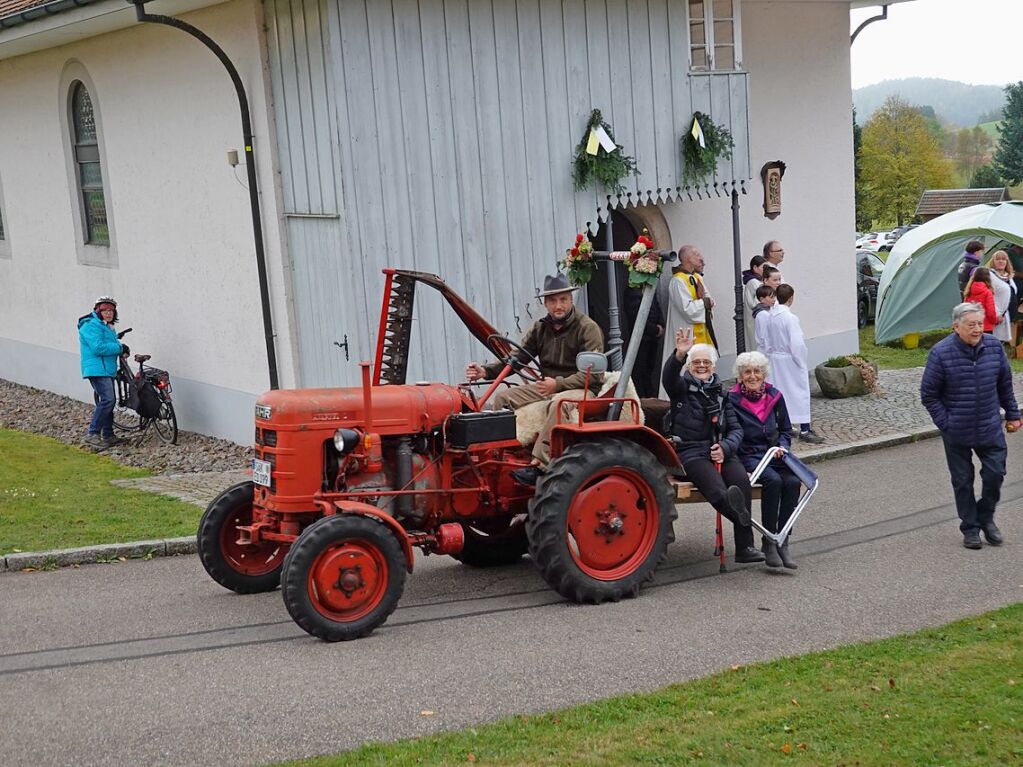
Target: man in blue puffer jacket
(99, 350)
(966, 381)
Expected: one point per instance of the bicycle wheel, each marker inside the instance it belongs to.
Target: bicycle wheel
(166, 424)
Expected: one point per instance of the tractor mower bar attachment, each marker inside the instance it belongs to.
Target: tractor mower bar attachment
(806, 476)
(395, 332)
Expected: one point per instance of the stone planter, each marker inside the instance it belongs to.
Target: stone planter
(837, 383)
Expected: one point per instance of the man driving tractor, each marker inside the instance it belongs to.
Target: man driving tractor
(553, 341)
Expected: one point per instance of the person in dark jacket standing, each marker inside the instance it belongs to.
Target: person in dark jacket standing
(760, 409)
(100, 349)
(644, 370)
(709, 435)
(966, 381)
(971, 260)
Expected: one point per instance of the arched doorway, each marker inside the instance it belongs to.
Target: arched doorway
(627, 224)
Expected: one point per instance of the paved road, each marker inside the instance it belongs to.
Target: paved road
(151, 662)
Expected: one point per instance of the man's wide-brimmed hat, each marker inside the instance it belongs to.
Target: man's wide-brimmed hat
(554, 284)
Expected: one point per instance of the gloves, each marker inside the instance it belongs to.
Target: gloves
(125, 351)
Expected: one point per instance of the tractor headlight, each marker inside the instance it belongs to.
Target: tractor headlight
(346, 440)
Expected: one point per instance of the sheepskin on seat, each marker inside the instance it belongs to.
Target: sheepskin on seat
(529, 418)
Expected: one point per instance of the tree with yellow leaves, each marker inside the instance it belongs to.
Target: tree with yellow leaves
(899, 159)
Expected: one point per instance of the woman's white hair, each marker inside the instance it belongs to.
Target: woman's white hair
(696, 349)
(752, 361)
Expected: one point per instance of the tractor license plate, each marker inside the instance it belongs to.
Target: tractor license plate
(261, 472)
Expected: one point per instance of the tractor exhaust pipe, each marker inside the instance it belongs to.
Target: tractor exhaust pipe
(403, 475)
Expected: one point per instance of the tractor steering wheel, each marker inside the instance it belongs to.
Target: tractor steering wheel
(529, 368)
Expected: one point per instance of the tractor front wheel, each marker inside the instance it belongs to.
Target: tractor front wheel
(493, 543)
(240, 567)
(343, 577)
(601, 521)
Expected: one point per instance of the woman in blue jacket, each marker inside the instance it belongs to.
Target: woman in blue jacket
(100, 350)
(760, 410)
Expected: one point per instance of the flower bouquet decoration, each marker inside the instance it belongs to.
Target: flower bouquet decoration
(578, 263)
(644, 263)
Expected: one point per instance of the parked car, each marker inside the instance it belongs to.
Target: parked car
(874, 242)
(868, 276)
(896, 233)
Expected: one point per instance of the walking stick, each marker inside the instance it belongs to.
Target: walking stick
(719, 538)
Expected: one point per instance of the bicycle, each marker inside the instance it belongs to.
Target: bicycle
(144, 399)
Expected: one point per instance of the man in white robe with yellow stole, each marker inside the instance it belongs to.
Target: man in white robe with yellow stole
(689, 303)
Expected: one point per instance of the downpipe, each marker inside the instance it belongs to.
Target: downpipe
(250, 169)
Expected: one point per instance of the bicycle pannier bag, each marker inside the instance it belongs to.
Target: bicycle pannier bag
(149, 400)
(131, 401)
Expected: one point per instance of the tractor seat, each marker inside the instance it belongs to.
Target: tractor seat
(140, 358)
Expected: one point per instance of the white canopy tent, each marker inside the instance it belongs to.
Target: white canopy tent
(919, 283)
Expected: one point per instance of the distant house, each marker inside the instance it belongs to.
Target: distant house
(938, 202)
(435, 135)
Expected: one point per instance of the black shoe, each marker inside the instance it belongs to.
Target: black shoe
(811, 436)
(771, 558)
(971, 539)
(96, 442)
(749, 555)
(993, 534)
(527, 476)
(786, 560)
(738, 503)
(113, 439)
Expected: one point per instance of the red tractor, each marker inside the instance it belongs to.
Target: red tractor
(347, 481)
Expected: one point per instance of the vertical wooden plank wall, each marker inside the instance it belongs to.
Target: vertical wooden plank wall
(439, 134)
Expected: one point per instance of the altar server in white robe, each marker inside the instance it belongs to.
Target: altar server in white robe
(786, 349)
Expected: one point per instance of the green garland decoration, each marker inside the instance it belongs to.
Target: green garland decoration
(698, 163)
(608, 168)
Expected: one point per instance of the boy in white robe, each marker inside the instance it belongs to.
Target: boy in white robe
(787, 353)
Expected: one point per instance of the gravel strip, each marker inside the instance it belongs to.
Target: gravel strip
(67, 420)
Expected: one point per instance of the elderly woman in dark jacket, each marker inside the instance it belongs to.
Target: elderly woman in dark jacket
(760, 409)
(703, 420)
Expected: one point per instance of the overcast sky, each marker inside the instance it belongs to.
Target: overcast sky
(972, 41)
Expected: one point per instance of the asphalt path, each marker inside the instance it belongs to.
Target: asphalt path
(152, 662)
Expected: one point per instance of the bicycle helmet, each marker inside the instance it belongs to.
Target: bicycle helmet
(106, 300)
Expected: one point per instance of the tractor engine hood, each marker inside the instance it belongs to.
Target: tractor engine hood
(403, 409)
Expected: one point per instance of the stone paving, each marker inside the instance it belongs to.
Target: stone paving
(199, 488)
(895, 411)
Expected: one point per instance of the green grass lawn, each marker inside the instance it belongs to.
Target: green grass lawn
(895, 357)
(946, 696)
(54, 496)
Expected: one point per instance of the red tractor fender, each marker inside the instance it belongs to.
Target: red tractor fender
(364, 509)
(565, 435)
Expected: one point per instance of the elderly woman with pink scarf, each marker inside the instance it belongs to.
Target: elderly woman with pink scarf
(760, 409)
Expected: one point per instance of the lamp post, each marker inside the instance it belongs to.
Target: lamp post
(250, 167)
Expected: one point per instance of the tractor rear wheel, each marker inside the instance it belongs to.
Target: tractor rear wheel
(242, 568)
(493, 543)
(601, 521)
(343, 577)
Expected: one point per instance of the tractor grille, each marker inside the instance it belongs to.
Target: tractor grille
(266, 437)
